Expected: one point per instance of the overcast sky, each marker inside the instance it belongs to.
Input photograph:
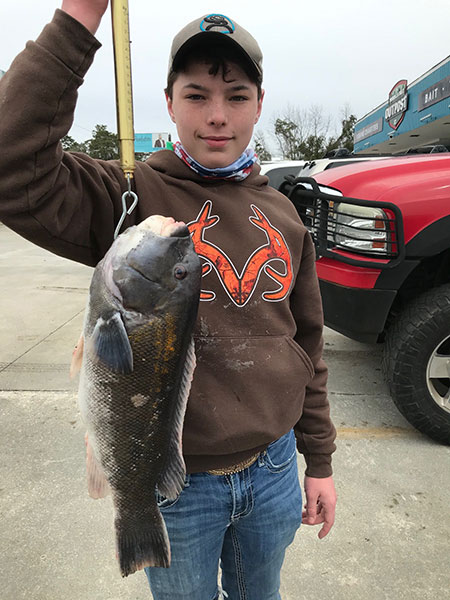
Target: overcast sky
(327, 52)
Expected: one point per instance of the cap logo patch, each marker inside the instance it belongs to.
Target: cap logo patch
(217, 23)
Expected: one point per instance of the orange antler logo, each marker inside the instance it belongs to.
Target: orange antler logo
(240, 287)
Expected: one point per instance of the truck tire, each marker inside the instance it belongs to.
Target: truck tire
(416, 363)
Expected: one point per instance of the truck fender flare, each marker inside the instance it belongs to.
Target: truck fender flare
(432, 240)
(429, 242)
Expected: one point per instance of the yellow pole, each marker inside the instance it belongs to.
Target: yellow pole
(124, 93)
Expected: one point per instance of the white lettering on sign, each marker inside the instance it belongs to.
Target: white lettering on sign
(396, 108)
(434, 93)
(369, 130)
(431, 95)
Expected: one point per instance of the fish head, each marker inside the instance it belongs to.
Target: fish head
(153, 267)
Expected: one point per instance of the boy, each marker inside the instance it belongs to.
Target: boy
(260, 378)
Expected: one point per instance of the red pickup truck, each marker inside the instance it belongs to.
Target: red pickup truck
(382, 235)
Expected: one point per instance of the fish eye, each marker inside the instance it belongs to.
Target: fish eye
(180, 272)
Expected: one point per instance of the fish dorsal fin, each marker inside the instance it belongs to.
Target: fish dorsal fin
(172, 478)
(110, 345)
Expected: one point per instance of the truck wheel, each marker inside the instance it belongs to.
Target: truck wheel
(416, 363)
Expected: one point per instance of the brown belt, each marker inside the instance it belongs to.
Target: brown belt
(235, 468)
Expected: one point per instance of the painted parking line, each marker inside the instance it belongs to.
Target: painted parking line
(357, 433)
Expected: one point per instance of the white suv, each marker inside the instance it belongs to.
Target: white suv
(276, 171)
(313, 167)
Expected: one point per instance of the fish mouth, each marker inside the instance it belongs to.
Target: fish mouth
(164, 226)
(177, 229)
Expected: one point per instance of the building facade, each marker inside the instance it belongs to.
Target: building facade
(414, 115)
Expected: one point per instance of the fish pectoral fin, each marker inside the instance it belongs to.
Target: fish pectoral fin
(98, 487)
(77, 358)
(110, 345)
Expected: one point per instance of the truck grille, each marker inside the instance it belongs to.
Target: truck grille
(338, 231)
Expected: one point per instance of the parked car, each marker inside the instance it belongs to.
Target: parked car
(382, 234)
(312, 167)
(276, 171)
(426, 149)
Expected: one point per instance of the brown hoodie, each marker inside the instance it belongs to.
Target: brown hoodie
(259, 331)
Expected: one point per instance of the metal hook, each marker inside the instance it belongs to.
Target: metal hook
(126, 211)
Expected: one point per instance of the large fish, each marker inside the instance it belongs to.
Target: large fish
(137, 366)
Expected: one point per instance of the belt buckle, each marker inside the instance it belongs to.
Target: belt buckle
(237, 468)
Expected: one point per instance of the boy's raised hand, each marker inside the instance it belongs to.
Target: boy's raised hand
(88, 12)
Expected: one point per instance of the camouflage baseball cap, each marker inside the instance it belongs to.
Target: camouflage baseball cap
(217, 27)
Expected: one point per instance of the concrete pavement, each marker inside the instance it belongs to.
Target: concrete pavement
(391, 538)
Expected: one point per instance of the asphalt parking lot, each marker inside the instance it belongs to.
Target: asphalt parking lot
(391, 538)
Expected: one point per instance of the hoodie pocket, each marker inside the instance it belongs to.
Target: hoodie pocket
(246, 393)
(302, 354)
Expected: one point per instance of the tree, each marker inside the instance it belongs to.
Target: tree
(103, 144)
(302, 134)
(261, 148)
(345, 140)
(70, 145)
(142, 156)
(314, 146)
(286, 132)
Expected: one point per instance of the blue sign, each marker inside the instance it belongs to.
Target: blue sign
(150, 142)
(143, 142)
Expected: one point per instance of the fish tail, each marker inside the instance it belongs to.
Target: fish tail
(142, 544)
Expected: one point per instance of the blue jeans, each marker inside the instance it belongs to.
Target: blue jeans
(245, 521)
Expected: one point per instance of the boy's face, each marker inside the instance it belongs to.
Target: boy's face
(214, 118)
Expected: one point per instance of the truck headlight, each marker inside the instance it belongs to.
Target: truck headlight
(361, 228)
